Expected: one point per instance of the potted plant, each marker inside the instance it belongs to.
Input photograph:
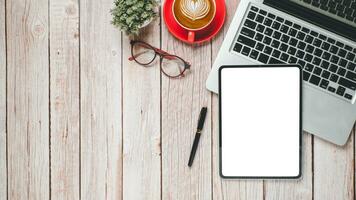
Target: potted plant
(131, 15)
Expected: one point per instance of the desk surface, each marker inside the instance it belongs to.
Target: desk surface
(80, 121)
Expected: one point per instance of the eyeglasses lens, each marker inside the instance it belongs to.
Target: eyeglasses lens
(142, 53)
(172, 65)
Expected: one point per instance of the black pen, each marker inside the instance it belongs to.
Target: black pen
(197, 135)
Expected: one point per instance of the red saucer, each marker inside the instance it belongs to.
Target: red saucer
(200, 36)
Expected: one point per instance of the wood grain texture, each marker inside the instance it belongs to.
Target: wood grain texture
(28, 102)
(334, 170)
(228, 189)
(64, 96)
(141, 124)
(182, 100)
(3, 161)
(100, 102)
(295, 189)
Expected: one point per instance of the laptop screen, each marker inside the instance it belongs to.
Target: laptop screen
(338, 16)
(341, 10)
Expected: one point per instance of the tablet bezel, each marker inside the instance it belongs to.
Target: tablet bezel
(300, 123)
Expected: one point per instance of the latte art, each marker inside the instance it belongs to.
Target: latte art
(195, 9)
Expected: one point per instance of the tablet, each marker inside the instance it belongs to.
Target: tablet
(260, 121)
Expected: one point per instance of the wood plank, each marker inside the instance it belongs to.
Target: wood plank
(141, 124)
(182, 100)
(64, 95)
(28, 102)
(228, 189)
(334, 170)
(3, 161)
(295, 189)
(100, 102)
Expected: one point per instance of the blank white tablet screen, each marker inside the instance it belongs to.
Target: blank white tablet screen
(260, 121)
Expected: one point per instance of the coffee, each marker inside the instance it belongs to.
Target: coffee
(194, 14)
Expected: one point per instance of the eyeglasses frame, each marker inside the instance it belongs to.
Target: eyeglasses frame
(162, 54)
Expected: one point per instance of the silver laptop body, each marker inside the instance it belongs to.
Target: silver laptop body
(326, 114)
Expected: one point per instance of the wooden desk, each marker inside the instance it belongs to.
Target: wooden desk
(80, 121)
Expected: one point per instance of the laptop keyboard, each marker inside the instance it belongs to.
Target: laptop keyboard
(328, 64)
(343, 8)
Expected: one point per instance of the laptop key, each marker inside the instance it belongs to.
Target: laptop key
(254, 54)
(324, 84)
(315, 80)
(340, 91)
(254, 8)
(306, 75)
(268, 31)
(341, 71)
(317, 42)
(301, 63)
(275, 44)
(348, 96)
(317, 70)
(292, 32)
(350, 56)
(292, 50)
(274, 61)
(347, 83)
(309, 39)
(276, 25)
(333, 68)
(331, 89)
(316, 61)
(276, 53)
(334, 59)
(325, 74)
(267, 50)
(351, 76)
(325, 64)
(259, 18)
(326, 55)
(260, 46)
(259, 37)
(351, 66)
(250, 24)
(237, 47)
(247, 41)
(343, 62)
(284, 57)
(248, 32)
(267, 40)
(325, 46)
(251, 15)
(342, 53)
(283, 47)
(309, 67)
(246, 50)
(276, 35)
(263, 58)
(334, 78)
(334, 49)
(285, 38)
(300, 54)
(318, 52)
(284, 29)
(310, 49)
(267, 22)
(263, 12)
(260, 28)
(308, 57)
(292, 59)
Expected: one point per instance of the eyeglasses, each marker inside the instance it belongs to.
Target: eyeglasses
(171, 65)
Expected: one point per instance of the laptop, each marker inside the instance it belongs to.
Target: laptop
(318, 35)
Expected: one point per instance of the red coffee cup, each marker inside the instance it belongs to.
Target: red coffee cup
(192, 31)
